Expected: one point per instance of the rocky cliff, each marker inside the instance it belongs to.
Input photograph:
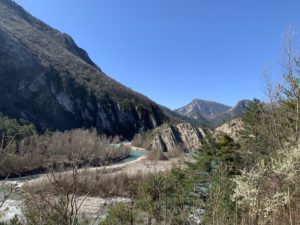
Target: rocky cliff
(183, 137)
(46, 79)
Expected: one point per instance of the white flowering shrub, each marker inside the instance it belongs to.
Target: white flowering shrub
(287, 164)
(269, 187)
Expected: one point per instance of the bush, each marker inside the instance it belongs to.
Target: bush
(13, 129)
(269, 192)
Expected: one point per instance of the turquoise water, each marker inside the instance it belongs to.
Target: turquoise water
(134, 155)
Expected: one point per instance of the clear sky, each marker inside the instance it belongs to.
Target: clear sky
(176, 50)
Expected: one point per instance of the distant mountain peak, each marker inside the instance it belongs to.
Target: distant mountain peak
(215, 113)
(199, 107)
(197, 100)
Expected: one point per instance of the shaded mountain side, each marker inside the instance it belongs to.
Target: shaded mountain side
(235, 112)
(46, 79)
(178, 118)
(214, 114)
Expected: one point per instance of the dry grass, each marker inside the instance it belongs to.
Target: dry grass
(99, 184)
(117, 180)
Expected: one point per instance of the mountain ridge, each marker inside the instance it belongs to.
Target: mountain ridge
(202, 107)
(48, 80)
(213, 112)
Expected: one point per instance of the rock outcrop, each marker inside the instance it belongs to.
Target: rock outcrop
(183, 137)
(47, 79)
(230, 128)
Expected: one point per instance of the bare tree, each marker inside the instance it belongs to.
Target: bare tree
(9, 187)
(61, 198)
(288, 90)
(283, 107)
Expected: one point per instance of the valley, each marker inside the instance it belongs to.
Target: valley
(77, 143)
(78, 147)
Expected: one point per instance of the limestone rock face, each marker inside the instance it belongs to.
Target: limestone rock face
(230, 128)
(182, 136)
(47, 79)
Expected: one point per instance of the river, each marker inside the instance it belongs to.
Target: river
(12, 206)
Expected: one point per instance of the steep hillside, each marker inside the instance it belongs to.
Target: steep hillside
(235, 112)
(175, 117)
(215, 114)
(46, 79)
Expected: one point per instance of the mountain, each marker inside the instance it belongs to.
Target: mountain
(215, 114)
(235, 112)
(178, 118)
(47, 79)
(198, 109)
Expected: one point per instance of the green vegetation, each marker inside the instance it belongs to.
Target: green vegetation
(216, 162)
(162, 199)
(179, 197)
(15, 129)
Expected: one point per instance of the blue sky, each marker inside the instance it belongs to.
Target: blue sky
(176, 50)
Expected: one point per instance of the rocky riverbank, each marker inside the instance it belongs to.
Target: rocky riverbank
(92, 207)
